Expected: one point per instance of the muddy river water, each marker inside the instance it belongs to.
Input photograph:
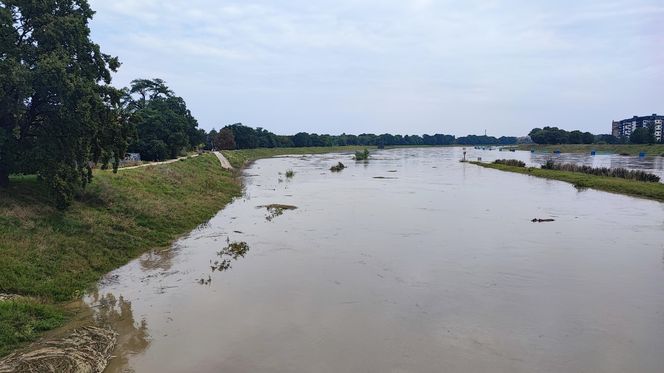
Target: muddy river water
(412, 262)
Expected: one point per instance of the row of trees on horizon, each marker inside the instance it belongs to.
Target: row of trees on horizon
(239, 136)
(555, 135)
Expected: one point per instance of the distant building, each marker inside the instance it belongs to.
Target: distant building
(132, 157)
(625, 127)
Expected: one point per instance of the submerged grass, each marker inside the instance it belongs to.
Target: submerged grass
(649, 190)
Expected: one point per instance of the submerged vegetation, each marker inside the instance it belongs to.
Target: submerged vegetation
(233, 251)
(276, 209)
(622, 173)
(290, 174)
(362, 155)
(582, 181)
(510, 162)
(338, 167)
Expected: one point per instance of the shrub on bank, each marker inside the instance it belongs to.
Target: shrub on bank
(362, 155)
(622, 173)
(510, 162)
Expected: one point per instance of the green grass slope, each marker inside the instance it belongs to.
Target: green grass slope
(55, 256)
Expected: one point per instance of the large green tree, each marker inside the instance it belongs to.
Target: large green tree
(642, 136)
(58, 113)
(164, 126)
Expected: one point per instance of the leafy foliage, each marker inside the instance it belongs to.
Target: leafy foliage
(249, 138)
(642, 136)
(58, 113)
(510, 162)
(362, 155)
(555, 135)
(164, 126)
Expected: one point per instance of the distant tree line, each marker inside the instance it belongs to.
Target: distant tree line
(239, 136)
(644, 135)
(555, 135)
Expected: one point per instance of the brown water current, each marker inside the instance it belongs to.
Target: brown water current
(436, 267)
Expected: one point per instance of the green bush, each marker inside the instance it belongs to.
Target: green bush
(338, 167)
(362, 155)
(510, 162)
(622, 173)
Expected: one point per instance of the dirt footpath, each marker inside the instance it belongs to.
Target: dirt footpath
(225, 164)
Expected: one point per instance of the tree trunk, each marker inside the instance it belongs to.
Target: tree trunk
(4, 176)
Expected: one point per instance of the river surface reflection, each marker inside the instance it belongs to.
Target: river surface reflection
(412, 262)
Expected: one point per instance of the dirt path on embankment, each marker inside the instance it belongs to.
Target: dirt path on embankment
(157, 163)
(225, 164)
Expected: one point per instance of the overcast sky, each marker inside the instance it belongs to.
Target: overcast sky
(399, 66)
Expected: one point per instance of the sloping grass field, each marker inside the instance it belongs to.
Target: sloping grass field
(53, 257)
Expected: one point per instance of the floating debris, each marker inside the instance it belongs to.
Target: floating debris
(385, 177)
(276, 209)
(338, 167)
(232, 252)
(542, 220)
(86, 349)
(9, 297)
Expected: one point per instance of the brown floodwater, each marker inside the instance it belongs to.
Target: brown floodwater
(412, 262)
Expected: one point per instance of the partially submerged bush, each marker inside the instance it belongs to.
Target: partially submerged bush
(362, 155)
(338, 167)
(622, 173)
(510, 162)
(290, 173)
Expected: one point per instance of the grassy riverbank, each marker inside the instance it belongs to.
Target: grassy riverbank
(633, 188)
(629, 149)
(52, 257)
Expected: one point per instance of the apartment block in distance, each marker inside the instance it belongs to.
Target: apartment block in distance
(625, 127)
